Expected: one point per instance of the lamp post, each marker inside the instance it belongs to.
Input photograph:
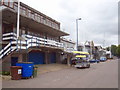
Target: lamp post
(77, 30)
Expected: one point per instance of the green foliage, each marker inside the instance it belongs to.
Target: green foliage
(5, 73)
(114, 49)
(35, 66)
(118, 51)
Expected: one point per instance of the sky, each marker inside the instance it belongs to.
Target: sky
(99, 18)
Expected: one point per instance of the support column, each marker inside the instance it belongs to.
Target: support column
(68, 60)
(47, 57)
(58, 57)
(20, 57)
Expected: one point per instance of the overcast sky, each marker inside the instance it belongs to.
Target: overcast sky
(99, 18)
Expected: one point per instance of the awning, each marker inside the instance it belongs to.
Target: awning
(80, 52)
(80, 56)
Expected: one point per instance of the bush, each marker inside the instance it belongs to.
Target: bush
(5, 73)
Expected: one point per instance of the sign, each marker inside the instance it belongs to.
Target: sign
(19, 71)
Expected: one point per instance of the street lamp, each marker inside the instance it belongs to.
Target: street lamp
(77, 30)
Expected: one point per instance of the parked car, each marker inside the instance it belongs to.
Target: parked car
(94, 61)
(82, 64)
(73, 61)
(102, 59)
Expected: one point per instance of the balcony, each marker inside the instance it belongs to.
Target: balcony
(27, 41)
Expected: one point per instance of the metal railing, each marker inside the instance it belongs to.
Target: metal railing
(29, 41)
(8, 36)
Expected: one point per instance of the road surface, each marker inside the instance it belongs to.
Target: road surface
(102, 75)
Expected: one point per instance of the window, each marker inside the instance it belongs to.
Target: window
(28, 32)
(42, 20)
(29, 13)
(5, 2)
(11, 4)
(24, 11)
(32, 15)
(23, 31)
(15, 7)
(57, 26)
(48, 22)
(21, 10)
(38, 18)
(53, 24)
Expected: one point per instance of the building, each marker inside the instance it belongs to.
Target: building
(81, 46)
(39, 36)
(69, 47)
(87, 46)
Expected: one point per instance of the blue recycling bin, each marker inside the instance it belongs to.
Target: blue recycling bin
(27, 69)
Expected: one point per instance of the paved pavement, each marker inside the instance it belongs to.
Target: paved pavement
(102, 75)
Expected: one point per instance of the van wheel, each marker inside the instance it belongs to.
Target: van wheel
(78, 67)
(88, 66)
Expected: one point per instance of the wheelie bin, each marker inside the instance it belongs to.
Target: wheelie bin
(16, 72)
(35, 71)
(27, 69)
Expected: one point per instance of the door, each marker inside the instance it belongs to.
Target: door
(14, 60)
(36, 57)
(53, 57)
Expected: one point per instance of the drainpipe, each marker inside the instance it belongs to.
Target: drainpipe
(18, 19)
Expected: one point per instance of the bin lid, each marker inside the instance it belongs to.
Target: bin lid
(16, 67)
(26, 62)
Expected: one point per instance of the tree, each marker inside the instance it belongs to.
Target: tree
(114, 50)
(118, 51)
(108, 48)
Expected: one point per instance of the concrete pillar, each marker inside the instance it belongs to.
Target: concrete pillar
(20, 57)
(58, 57)
(47, 57)
(25, 57)
(68, 60)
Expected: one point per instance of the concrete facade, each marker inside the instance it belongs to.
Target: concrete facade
(38, 33)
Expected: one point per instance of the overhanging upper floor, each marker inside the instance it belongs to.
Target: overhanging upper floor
(31, 21)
